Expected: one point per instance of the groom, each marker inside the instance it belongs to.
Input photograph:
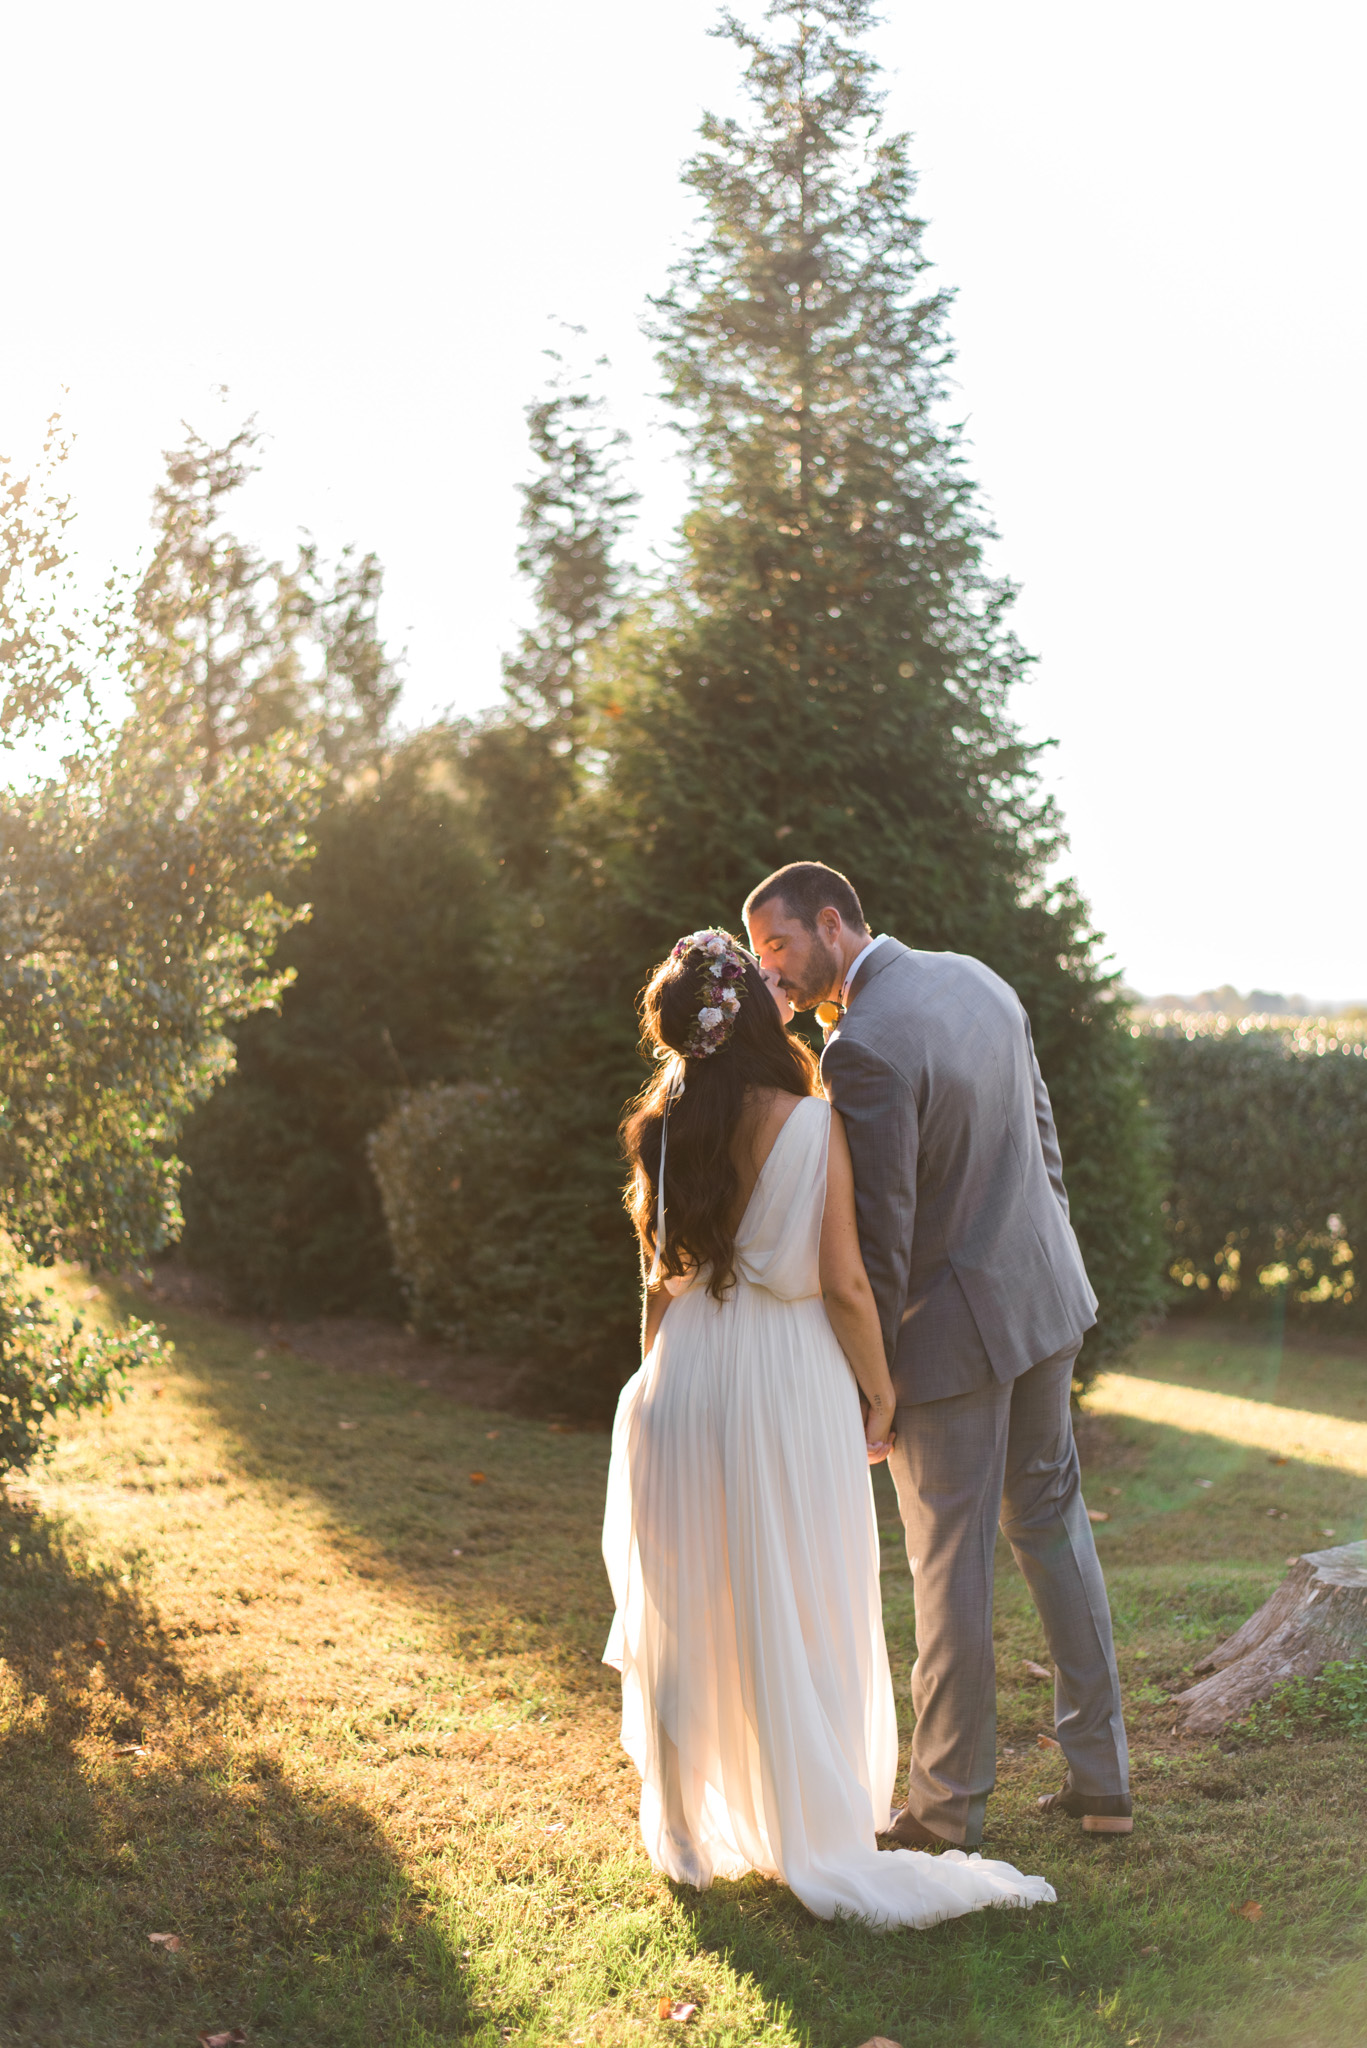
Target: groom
(983, 1298)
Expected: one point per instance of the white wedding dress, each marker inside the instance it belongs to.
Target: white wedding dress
(743, 1552)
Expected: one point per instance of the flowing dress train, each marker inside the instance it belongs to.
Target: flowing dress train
(742, 1547)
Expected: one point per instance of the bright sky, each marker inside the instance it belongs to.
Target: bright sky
(364, 221)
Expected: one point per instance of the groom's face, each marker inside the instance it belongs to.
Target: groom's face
(806, 962)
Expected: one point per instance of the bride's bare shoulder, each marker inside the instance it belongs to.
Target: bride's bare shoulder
(765, 1113)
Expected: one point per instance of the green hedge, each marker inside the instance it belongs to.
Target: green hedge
(493, 1202)
(1266, 1128)
(280, 1204)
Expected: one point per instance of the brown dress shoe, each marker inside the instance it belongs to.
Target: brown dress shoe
(908, 1832)
(1099, 1816)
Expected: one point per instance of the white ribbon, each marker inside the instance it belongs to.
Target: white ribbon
(676, 1089)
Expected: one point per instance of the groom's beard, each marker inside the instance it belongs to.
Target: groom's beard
(820, 977)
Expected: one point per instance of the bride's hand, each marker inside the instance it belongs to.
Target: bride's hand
(878, 1433)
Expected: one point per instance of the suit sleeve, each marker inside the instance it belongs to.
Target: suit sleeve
(879, 1113)
(1044, 1118)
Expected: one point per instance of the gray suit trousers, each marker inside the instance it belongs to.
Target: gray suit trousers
(959, 1464)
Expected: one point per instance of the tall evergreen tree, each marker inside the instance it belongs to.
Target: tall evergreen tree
(827, 675)
(575, 509)
(237, 655)
(233, 649)
(830, 677)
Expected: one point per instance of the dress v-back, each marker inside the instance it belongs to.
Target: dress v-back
(742, 1547)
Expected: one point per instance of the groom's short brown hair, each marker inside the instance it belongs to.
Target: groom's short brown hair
(805, 887)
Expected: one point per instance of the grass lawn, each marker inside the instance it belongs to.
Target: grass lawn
(301, 1667)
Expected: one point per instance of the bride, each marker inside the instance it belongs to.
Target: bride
(739, 1535)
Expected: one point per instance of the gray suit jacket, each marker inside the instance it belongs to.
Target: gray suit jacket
(963, 1215)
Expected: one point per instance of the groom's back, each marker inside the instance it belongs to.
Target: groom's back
(934, 1071)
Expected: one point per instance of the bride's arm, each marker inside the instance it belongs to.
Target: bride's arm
(848, 1296)
(654, 1301)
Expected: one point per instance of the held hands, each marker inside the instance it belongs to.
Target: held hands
(879, 1437)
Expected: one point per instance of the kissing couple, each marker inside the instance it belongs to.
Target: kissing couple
(893, 1225)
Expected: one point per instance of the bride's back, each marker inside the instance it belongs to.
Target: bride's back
(764, 1113)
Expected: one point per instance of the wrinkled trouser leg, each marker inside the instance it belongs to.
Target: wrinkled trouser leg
(947, 1466)
(959, 1465)
(1045, 1522)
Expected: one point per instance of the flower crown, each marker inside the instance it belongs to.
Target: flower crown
(723, 984)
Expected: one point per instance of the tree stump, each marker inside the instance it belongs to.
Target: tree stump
(1317, 1615)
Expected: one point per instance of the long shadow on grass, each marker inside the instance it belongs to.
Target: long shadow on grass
(293, 1916)
(943, 1987)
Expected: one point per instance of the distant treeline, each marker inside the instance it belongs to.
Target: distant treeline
(1265, 1134)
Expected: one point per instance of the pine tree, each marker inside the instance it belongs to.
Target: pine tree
(575, 509)
(833, 680)
(233, 649)
(827, 675)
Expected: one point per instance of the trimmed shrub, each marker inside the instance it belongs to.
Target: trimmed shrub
(500, 1237)
(1266, 1124)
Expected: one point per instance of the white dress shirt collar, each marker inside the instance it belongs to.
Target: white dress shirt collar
(855, 966)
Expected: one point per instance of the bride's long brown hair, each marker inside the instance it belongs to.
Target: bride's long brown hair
(701, 1182)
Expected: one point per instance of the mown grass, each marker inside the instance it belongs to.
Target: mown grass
(379, 1796)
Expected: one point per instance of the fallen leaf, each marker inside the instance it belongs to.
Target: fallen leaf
(1250, 1910)
(1329, 1532)
(231, 2039)
(1034, 1670)
(491, 1434)
(1097, 1515)
(1048, 1742)
(168, 1941)
(476, 1479)
(348, 1425)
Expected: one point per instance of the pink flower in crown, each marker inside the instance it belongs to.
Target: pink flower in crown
(723, 986)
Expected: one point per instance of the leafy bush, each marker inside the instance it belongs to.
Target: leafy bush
(1334, 1703)
(46, 1368)
(1266, 1128)
(498, 1235)
(388, 991)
